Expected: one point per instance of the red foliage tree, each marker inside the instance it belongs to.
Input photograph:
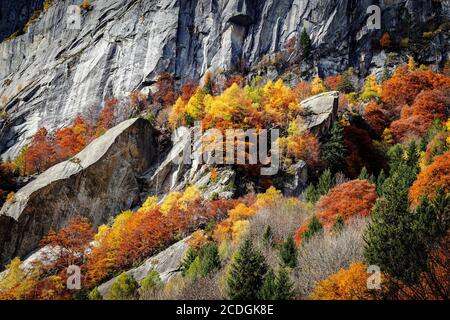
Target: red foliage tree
(406, 84)
(433, 177)
(165, 90)
(40, 155)
(417, 119)
(353, 199)
(376, 118)
(188, 90)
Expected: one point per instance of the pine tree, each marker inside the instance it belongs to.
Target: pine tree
(380, 181)
(268, 288)
(325, 183)
(314, 227)
(185, 264)
(310, 194)
(334, 150)
(305, 43)
(390, 241)
(210, 260)
(288, 253)
(364, 175)
(268, 236)
(284, 286)
(246, 273)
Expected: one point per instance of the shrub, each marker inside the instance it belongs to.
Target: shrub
(124, 288)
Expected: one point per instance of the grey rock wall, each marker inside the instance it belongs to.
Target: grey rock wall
(52, 73)
(99, 182)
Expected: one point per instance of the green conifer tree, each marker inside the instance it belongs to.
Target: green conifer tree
(246, 273)
(334, 150)
(288, 253)
(284, 286)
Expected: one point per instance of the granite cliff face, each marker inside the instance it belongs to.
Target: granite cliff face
(99, 182)
(52, 72)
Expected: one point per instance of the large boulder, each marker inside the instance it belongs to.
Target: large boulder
(99, 182)
(166, 263)
(321, 112)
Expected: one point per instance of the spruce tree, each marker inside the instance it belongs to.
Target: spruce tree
(210, 260)
(390, 241)
(314, 227)
(310, 194)
(325, 183)
(288, 253)
(364, 175)
(246, 273)
(380, 181)
(284, 286)
(305, 43)
(95, 294)
(334, 150)
(188, 260)
(268, 288)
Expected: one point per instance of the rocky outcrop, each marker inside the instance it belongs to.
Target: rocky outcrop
(321, 112)
(99, 182)
(167, 263)
(52, 73)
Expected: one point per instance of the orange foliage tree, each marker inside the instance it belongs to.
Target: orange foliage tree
(353, 199)
(431, 178)
(348, 284)
(417, 119)
(40, 155)
(386, 40)
(406, 83)
(376, 118)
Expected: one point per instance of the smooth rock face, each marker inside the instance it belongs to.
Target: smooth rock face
(321, 112)
(99, 182)
(167, 264)
(52, 73)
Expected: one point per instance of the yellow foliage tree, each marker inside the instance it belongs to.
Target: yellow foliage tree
(317, 86)
(371, 89)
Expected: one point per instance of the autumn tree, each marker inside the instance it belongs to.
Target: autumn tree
(317, 86)
(353, 199)
(348, 284)
(432, 177)
(386, 40)
(69, 245)
(165, 90)
(376, 118)
(40, 154)
(419, 118)
(371, 89)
